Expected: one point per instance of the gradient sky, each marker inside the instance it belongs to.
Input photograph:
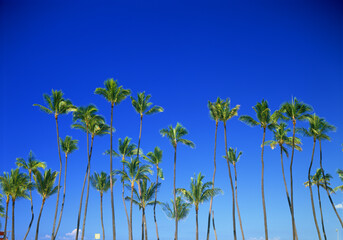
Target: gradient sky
(183, 53)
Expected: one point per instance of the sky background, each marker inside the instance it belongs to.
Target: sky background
(183, 53)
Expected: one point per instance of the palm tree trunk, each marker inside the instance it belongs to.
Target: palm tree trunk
(262, 189)
(123, 197)
(59, 180)
(13, 231)
(6, 215)
(174, 193)
(196, 224)
(326, 185)
(139, 144)
(310, 186)
(145, 226)
(83, 188)
(239, 215)
(157, 236)
(232, 189)
(213, 178)
(38, 221)
(214, 226)
(321, 213)
(64, 195)
(111, 179)
(102, 218)
(87, 194)
(295, 236)
(131, 234)
(32, 213)
(142, 225)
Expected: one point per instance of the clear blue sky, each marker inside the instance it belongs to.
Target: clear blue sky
(184, 53)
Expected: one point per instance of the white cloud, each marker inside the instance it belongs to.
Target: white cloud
(340, 205)
(47, 236)
(72, 233)
(262, 238)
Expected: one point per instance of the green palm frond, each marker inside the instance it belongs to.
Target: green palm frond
(101, 182)
(112, 92)
(248, 120)
(45, 183)
(182, 208)
(68, 145)
(32, 163)
(226, 112)
(296, 110)
(233, 156)
(19, 185)
(175, 135)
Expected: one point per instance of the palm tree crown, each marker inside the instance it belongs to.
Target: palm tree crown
(134, 171)
(68, 145)
(112, 92)
(216, 108)
(143, 106)
(225, 111)
(182, 208)
(155, 158)
(233, 157)
(101, 182)
(45, 183)
(340, 175)
(318, 128)
(176, 135)
(295, 110)
(19, 185)
(147, 193)
(319, 179)
(32, 163)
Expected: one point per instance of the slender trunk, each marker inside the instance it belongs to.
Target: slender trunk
(87, 194)
(59, 180)
(145, 226)
(38, 221)
(102, 218)
(13, 231)
(295, 236)
(196, 224)
(262, 189)
(326, 185)
(321, 212)
(232, 189)
(239, 214)
(213, 178)
(139, 144)
(214, 226)
(32, 213)
(157, 236)
(174, 193)
(123, 197)
(142, 225)
(111, 179)
(64, 195)
(6, 215)
(83, 188)
(310, 186)
(131, 234)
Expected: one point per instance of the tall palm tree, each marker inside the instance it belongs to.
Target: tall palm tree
(198, 193)
(265, 120)
(319, 179)
(182, 208)
(133, 173)
(56, 105)
(294, 111)
(214, 108)
(5, 183)
(31, 165)
(101, 182)
(283, 141)
(45, 188)
(340, 175)
(114, 94)
(175, 135)
(68, 146)
(155, 158)
(233, 159)
(144, 199)
(226, 113)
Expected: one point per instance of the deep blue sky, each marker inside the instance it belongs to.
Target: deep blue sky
(184, 53)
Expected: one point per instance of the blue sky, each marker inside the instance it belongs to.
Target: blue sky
(183, 53)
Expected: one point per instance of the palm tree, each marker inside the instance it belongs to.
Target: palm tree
(101, 183)
(233, 159)
(294, 111)
(181, 207)
(198, 193)
(155, 158)
(114, 94)
(31, 165)
(56, 105)
(133, 173)
(68, 146)
(144, 199)
(5, 183)
(266, 121)
(214, 108)
(319, 179)
(45, 188)
(226, 113)
(340, 175)
(283, 141)
(175, 135)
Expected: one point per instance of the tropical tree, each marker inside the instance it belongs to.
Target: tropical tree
(182, 208)
(133, 173)
(101, 182)
(155, 158)
(283, 141)
(114, 94)
(198, 193)
(265, 120)
(340, 175)
(226, 113)
(31, 165)
(68, 146)
(175, 135)
(56, 105)
(215, 108)
(294, 111)
(144, 199)
(5, 183)
(233, 159)
(45, 188)
(321, 181)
